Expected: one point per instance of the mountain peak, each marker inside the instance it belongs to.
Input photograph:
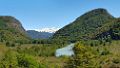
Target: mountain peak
(11, 29)
(95, 12)
(84, 26)
(12, 22)
(99, 10)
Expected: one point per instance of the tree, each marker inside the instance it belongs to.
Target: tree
(27, 61)
(83, 58)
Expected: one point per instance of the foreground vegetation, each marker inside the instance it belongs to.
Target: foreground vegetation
(30, 56)
(88, 54)
(99, 55)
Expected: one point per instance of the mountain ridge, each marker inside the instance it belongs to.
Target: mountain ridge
(39, 35)
(85, 26)
(11, 29)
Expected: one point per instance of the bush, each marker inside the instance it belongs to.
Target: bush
(10, 44)
(116, 60)
(105, 52)
(15, 60)
(9, 60)
(83, 58)
(38, 50)
(27, 61)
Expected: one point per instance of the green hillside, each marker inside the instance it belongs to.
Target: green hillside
(11, 30)
(85, 26)
(110, 29)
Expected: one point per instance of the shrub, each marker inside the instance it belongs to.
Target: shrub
(104, 52)
(15, 60)
(27, 61)
(116, 60)
(83, 58)
(9, 60)
(10, 44)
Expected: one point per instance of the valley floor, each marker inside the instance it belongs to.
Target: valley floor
(107, 55)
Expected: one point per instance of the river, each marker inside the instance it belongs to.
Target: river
(65, 51)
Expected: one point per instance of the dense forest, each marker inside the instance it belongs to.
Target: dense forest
(96, 35)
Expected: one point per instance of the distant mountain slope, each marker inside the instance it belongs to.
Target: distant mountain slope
(85, 26)
(11, 29)
(39, 35)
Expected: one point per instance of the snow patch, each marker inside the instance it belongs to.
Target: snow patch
(50, 30)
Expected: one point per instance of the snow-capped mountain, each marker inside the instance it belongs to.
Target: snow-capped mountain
(50, 30)
(44, 33)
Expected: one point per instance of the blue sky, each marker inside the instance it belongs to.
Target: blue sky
(37, 14)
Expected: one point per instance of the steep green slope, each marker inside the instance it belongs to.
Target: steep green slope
(85, 26)
(11, 30)
(110, 29)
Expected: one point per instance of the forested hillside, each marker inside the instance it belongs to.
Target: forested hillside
(11, 30)
(86, 26)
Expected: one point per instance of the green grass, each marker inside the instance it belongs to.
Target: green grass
(3, 50)
(53, 62)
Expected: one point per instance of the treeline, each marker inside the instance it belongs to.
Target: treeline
(35, 41)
